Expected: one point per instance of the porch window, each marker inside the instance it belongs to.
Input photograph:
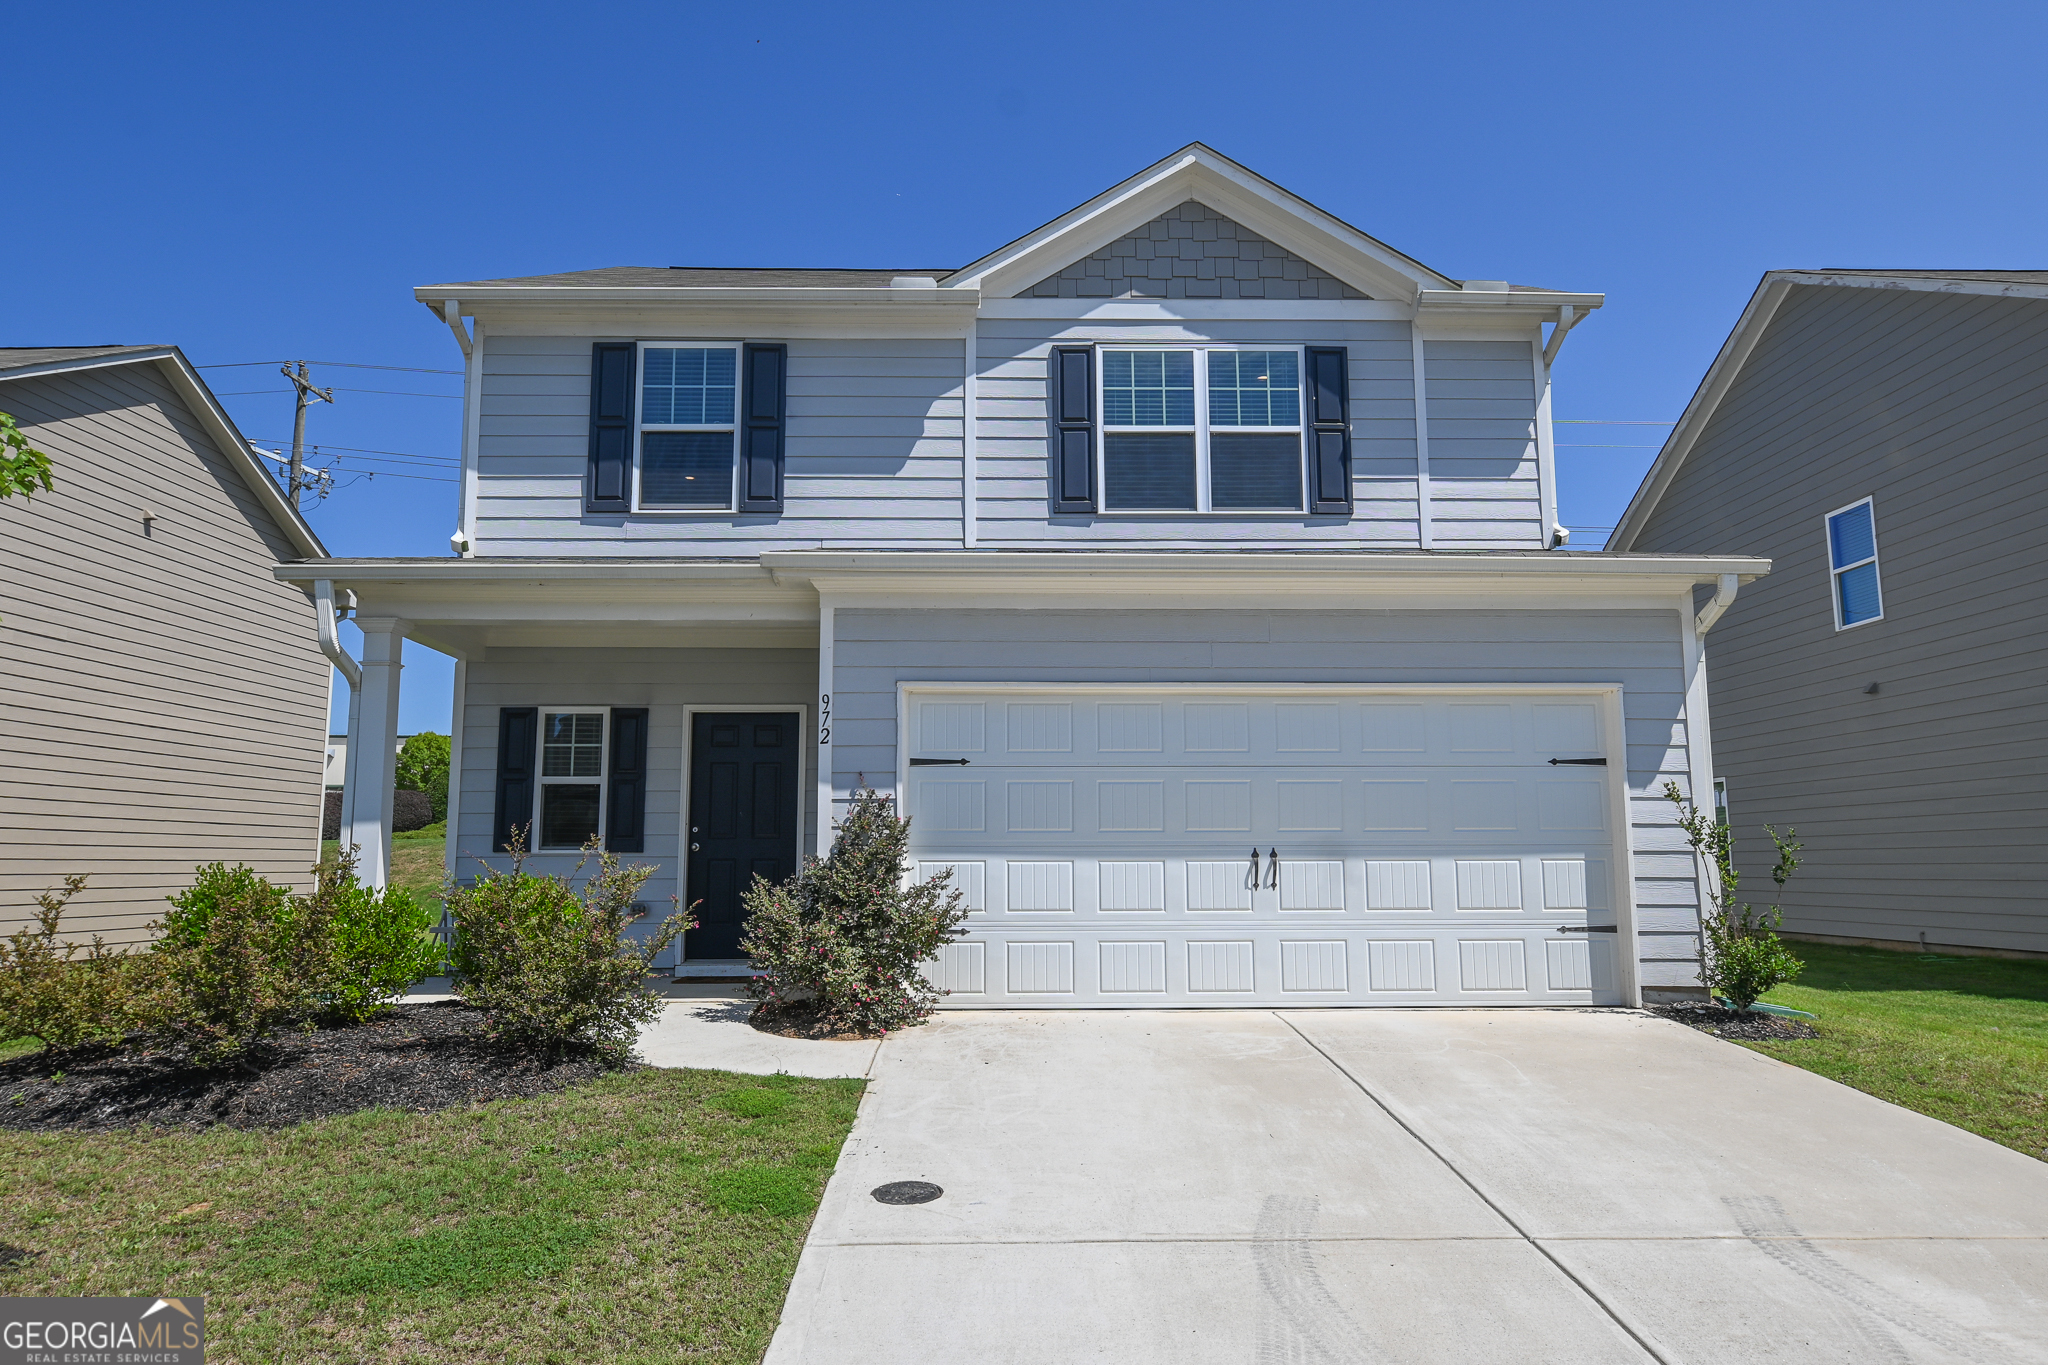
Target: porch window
(688, 398)
(572, 772)
(1206, 429)
(1852, 565)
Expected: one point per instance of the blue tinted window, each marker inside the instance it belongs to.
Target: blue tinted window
(1858, 590)
(1148, 388)
(687, 386)
(1851, 536)
(1254, 389)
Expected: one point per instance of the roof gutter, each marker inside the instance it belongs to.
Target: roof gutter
(1724, 597)
(324, 618)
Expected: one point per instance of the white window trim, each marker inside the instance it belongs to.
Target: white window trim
(1827, 532)
(738, 348)
(1201, 430)
(541, 783)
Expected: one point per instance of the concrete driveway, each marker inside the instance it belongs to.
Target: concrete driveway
(1395, 1186)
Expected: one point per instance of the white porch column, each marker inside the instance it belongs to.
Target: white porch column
(373, 755)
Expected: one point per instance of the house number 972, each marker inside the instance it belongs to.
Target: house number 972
(824, 718)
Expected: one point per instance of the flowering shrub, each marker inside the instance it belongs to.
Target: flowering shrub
(49, 992)
(851, 933)
(548, 962)
(1741, 955)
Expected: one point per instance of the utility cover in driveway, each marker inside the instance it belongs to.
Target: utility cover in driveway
(1225, 847)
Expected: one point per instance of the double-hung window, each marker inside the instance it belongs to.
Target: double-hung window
(1201, 429)
(572, 773)
(1852, 565)
(689, 396)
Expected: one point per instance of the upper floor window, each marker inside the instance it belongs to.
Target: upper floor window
(1852, 565)
(1210, 429)
(572, 770)
(689, 396)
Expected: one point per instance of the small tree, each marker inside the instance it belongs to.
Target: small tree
(423, 767)
(23, 468)
(1740, 951)
(548, 962)
(853, 932)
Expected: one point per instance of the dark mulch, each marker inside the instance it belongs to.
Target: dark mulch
(416, 1057)
(802, 1019)
(1723, 1022)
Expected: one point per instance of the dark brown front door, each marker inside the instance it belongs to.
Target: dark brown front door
(743, 814)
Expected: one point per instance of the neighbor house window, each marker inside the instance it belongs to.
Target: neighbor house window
(1852, 565)
(571, 777)
(1208, 429)
(688, 398)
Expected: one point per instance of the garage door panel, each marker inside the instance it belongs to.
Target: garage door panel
(1204, 849)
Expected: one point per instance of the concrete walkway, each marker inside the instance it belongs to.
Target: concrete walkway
(1404, 1186)
(706, 1026)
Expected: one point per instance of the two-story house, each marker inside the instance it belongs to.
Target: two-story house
(1188, 567)
(1880, 434)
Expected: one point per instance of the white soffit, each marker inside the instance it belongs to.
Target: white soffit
(1214, 180)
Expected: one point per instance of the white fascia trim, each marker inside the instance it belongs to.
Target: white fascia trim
(436, 297)
(510, 570)
(1201, 310)
(1197, 172)
(1517, 301)
(1108, 567)
(1720, 376)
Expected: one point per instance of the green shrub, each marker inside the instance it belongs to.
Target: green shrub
(853, 932)
(548, 962)
(383, 941)
(1741, 955)
(239, 958)
(49, 992)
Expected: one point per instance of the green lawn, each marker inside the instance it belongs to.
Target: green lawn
(1963, 1039)
(417, 858)
(649, 1216)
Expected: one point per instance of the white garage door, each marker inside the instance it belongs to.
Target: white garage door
(1317, 845)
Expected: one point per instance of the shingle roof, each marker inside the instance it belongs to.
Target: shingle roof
(1994, 276)
(20, 357)
(702, 277)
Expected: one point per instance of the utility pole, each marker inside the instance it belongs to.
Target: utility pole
(298, 481)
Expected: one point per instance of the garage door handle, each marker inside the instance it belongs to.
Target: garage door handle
(1588, 929)
(1255, 867)
(1273, 870)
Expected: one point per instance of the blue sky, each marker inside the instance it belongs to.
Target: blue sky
(258, 183)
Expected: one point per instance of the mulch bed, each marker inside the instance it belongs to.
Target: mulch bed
(416, 1057)
(799, 1020)
(1723, 1022)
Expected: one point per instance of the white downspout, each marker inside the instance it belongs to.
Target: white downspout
(1724, 596)
(352, 674)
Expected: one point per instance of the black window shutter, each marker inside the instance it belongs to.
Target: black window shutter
(611, 427)
(764, 404)
(1070, 375)
(518, 740)
(626, 804)
(1329, 431)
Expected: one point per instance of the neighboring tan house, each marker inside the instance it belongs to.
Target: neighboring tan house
(164, 695)
(1218, 669)
(1882, 437)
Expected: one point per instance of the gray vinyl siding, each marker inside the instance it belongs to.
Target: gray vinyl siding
(1192, 252)
(666, 681)
(875, 649)
(1484, 493)
(872, 455)
(874, 448)
(1924, 808)
(165, 700)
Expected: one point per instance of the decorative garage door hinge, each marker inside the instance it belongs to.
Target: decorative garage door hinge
(1588, 929)
(960, 762)
(1588, 762)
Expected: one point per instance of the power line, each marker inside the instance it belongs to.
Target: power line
(359, 450)
(1606, 422)
(345, 364)
(401, 393)
(1598, 445)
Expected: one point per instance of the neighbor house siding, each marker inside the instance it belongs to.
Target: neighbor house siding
(166, 702)
(666, 681)
(875, 649)
(872, 454)
(1923, 807)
